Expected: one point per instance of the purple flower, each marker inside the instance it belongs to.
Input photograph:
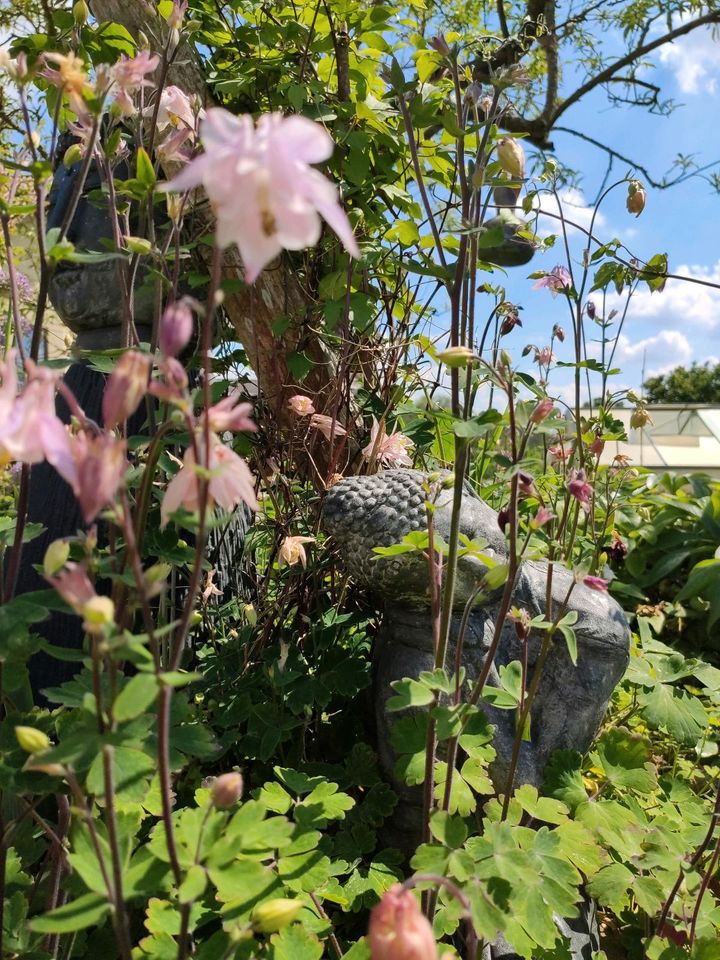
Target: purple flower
(22, 284)
(596, 583)
(556, 281)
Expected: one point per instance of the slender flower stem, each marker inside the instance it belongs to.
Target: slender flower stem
(122, 930)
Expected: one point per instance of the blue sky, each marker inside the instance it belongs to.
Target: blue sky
(682, 324)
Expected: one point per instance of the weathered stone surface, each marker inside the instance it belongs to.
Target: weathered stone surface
(364, 512)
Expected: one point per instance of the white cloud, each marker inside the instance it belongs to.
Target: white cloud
(662, 352)
(572, 206)
(688, 305)
(695, 61)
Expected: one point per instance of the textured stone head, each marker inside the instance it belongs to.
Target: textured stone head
(362, 513)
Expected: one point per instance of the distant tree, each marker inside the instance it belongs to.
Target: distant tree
(699, 383)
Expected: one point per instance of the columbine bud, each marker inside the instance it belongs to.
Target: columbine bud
(275, 914)
(511, 157)
(440, 45)
(176, 15)
(398, 928)
(249, 614)
(542, 410)
(559, 333)
(98, 613)
(456, 356)
(81, 13)
(503, 518)
(138, 245)
(126, 387)
(640, 418)
(636, 198)
(509, 323)
(591, 311)
(72, 155)
(227, 790)
(31, 739)
(176, 328)
(55, 557)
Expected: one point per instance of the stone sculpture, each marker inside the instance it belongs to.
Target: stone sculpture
(362, 513)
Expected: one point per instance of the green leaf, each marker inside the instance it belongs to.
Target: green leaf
(676, 711)
(323, 804)
(410, 693)
(86, 911)
(625, 758)
(145, 171)
(540, 808)
(478, 426)
(135, 697)
(450, 831)
(611, 885)
(295, 943)
(563, 778)
(193, 886)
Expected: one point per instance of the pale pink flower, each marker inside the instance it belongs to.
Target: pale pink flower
(556, 281)
(129, 74)
(175, 110)
(73, 585)
(30, 431)
(542, 410)
(265, 194)
(391, 450)
(526, 484)
(99, 465)
(542, 517)
(597, 446)
(292, 551)
(580, 488)
(559, 453)
(544, 356)
(177, 146)
(177, 14)
(327, 426)
(230, 482)
(174, 388)
(210, 589)
(176, 328)
(596, 583)
(398, 928)
(301, 406)
(229, 414)
(125, 387)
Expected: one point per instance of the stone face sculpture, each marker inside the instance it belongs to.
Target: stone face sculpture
(362, 513)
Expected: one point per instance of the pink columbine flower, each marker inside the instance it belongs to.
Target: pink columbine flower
(542, 517)
(176, 328)
(30, 431)
(73, 585)
(230, 482)
(596, 583)
(544, 356)
(128, 75)
(175, 110)
(580, 488)
(557, 281)
(292, 551)
(125, 388)
(177, 14)
(559, 453)
(301, 406)
(99, 465)
(597, 446)
(391, 450)
(266, 196)
(542, 410)
(229, 414)
(174, 388)
(399, 930)
(328, 426)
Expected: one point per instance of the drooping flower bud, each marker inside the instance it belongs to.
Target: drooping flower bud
(72, 155)
(31, 739)
(440, 45)
(126, 387)
(454, 357)
(55, 557)
(542, 410)
(511, 157)
(176, 328)
(273, 915)
(640, 418)
(635, 198)
(398, 928)
(559, 333)
(81, 13)
(227, 790)
(510, 321)
(99, 612)
(591, 310)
